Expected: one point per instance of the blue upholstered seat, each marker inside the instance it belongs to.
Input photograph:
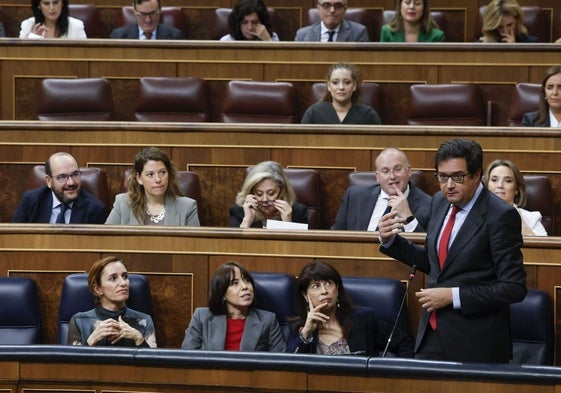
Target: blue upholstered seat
(20, 318)
(531, 324)
(76, 297)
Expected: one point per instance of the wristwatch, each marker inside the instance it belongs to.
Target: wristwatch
(409, 219)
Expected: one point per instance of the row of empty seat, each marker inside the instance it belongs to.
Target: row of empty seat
(176, 99)
(307, 185)
(20, 317)
(536, 21)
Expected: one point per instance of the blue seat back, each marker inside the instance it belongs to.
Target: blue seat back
(531, 325)
(76, 297)
(20, 317)
(275, 292)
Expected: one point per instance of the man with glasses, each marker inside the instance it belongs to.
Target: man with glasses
(333, 25)
(362, 206)
(472, 256)
(147, 26)
(61, 200)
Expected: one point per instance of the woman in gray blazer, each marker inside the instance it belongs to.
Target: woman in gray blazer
(231, 322)
(153, 196)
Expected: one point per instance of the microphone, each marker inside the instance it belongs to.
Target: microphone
(411, 276)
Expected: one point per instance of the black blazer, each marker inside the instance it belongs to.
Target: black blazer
(485, 262)
(36, 205)
(163, 32)
(359, 201)
(529, 120)
(299, 215)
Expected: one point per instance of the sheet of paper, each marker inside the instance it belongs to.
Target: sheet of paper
(276, 224)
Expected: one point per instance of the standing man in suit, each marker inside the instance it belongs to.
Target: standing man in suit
(362, 206)
(147, 26)
(473, 260)
(333, 25)
(61, 200)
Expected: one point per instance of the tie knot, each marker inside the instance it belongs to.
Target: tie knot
(455, 210)
(148, 35)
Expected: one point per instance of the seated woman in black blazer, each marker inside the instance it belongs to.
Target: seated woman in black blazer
(549, 112)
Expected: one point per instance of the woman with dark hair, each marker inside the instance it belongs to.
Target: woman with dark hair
(505, 180)
(153, 196)
(412, 22)
(328, 323)
(266, 194)
(50, 20)
(111, 323)
(231, 322)
(250, 20)
(503, 21)
(549, 112)
(340, 103)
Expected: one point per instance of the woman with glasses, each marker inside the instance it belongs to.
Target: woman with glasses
(328, 323)
(51, 20)
(504, 179)
(231, 322)
(266, 194)
(153, 196)
(340, 103)
(412, 22)
(250, 20)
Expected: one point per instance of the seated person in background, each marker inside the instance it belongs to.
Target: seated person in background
(2, 31)
(329, 324)
(340, 102)
(250, 20)
(333, 25)
(549, 112)
(503, 21)
(61, 200)
(266, 194)
(153, 196)
(50, 20)
(231, 321)
(412, 22)
(505, 180)
(111, 323)
(362, 206)
(147, 26)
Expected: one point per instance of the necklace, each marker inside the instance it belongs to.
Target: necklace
(159, 217)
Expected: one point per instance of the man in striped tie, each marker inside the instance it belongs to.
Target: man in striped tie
(472, 255)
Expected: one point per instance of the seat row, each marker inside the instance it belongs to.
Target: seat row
(20, 316)
(307, 185)
(177, 99)
(535, 19)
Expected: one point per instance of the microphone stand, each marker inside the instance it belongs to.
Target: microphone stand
(411, 276)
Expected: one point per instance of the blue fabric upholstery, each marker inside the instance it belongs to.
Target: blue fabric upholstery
(531, 325)
(275, 292)
(76, 297)
(20, 317)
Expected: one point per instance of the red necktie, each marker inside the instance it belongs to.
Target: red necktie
(148, 34)
(443, 250)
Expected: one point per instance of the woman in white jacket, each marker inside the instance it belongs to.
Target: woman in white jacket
(50, 20)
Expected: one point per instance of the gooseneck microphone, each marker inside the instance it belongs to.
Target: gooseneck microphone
(411, 276)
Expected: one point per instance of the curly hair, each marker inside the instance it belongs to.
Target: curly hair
(246, 7)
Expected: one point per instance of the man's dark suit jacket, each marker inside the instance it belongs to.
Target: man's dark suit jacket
(358, 204)
(529, 120)
(485, 262)
(36, 205)
(163, 32)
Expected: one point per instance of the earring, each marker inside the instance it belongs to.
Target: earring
(338, 304)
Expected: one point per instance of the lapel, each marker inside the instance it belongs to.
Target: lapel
(344, 31)
(252, 332)
(316, 32)
(471, 226)
(171, 217)
(370, 202)
(217, 333)
(45, 206)
(77, 211)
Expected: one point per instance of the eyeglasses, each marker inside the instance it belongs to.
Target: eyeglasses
(326, 5)
(456, 178)
(398, 170)
(317, 286)
(144, 15)
(63, 177)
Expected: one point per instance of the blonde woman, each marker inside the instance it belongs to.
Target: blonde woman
(503, 21)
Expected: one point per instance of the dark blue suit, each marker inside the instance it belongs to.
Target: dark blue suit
(36, 206)
(485, 262)
(529, 120)
(163, 32)
(359, 201)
